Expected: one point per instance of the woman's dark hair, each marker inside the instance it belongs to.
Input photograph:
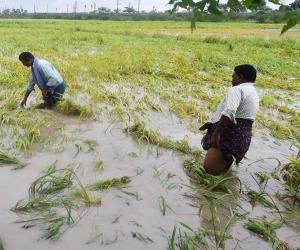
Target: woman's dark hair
(247, 71)
(25, 56)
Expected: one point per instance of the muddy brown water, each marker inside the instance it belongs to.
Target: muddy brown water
(110, 225)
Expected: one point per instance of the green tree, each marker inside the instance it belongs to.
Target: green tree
(295, 5)
(212, 6)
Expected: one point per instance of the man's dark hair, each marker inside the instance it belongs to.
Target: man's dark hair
(25, 56)
(247, 71)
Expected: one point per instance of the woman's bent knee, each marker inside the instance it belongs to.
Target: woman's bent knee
(214, 162)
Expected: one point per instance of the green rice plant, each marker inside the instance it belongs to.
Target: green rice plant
(98, 166)
(198, 175)
(115, 182)
(6, 159)
(220, 231)
(41, 203)
(54, 229)
(140, 132)
(78, 149)
(291, 211)
(25, 142)
(259, 197)
(95, 238)
(190, 240)
(172, 239)
(49, 196)
(291, 174)
(92, 144)
(1, 244)
(133, 194)
(10, 104)
(67, 106)
(263, 177)
(40, 219)
(5, 118)
(266, 230)
(51, 183)
(87, 198)
(163, 205)
(141, 237)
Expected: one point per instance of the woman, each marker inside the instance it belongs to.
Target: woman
(229, 133)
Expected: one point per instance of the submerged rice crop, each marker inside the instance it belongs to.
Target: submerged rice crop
(266, 230)
(51, 201)
(69, 107)
(6, 159)
(140, 132)
(291, 174)
(106, 184)
(211, 183)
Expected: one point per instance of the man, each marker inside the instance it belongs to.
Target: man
(229, 133)
(46, 77)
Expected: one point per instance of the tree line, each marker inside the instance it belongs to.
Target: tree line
(261, 14)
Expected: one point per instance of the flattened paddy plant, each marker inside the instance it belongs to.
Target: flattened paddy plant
(291, 174)
(259, 197)
(141, 133)
(51, 202)
(111, 183)
(211, 183)
(69, 107)
(6, 159)
(266, 230)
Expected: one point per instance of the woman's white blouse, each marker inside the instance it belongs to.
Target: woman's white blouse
(241, 101)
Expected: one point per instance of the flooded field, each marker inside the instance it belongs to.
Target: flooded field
(117, 165)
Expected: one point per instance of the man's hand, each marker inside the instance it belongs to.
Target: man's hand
(23, 103)
(205, 126)
(215, 139)
(45, 92)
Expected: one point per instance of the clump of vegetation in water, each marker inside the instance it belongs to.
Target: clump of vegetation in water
(115, 182)
(259, 197)
(51, 201)
(6, 159)
(209, 182)
(290, 174)
(139, 131)
(266, 230)
(69, 107)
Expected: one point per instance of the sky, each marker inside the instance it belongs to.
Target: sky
(63, 5)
